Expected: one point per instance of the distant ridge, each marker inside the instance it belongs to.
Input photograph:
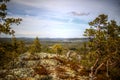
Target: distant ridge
(47, 39)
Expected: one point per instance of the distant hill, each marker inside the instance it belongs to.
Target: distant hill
(47, 39)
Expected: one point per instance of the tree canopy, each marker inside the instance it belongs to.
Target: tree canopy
(36, 46)
(57, 48)
(5, 21)
(6, 49)
(104, 41)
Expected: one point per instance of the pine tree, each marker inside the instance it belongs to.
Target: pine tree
(5, 22)
(104, 42)
(36, 46)
(21, 47)
(5, 28)
(14, 43)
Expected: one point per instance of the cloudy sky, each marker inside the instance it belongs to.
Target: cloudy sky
(59, 18)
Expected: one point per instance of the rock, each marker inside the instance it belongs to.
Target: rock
(10, 77)
(22, 72)
(25, 56)
(49, 62)
(42, 66)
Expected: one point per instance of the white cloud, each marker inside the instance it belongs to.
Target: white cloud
(57, 21)
(94, 7)
(79, 13)
(34, 26)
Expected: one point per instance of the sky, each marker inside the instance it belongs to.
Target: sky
(59, 18)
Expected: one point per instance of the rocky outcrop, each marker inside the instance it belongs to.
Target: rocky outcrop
(42, 66)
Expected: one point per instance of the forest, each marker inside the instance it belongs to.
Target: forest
(97, 56)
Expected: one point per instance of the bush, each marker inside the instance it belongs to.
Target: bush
(41, 70)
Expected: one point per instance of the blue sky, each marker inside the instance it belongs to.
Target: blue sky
(59, 18)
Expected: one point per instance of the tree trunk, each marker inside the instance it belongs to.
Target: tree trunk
(98, 68)
(94, 70)
(107, 74)
(92, 75)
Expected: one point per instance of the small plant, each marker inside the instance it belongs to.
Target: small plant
(46, 78)
(62, 61)
(61, 73)
(63, 76)
(41, 70)
(57, 48)
(59, 69)
(73, 65)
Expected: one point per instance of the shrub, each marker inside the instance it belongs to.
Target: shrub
(41, 70)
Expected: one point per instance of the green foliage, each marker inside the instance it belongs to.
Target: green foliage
(88, 59)
(18, 45)
(104, 41)
(84, 49)
(21, 46)
(7, 50)
(104, 35)
(57, 48)
(7, 54)
(5, 22)
(36, 46)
